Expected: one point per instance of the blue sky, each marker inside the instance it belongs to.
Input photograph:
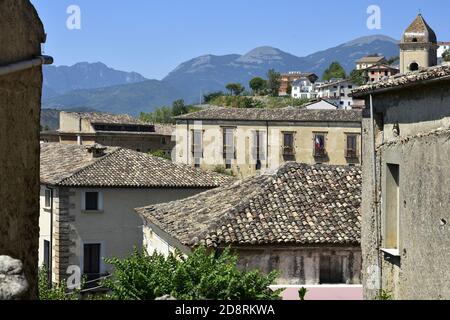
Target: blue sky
(152, 37)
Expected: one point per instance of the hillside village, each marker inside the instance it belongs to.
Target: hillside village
(340, 186)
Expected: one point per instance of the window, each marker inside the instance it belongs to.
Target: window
(92, 201)
(319, 144)
(331, 270)
(163, 141)
(350, 87)
(91, 261)
(47, 254)
(258, 148)
(197, 144)
(392, 208)
(414, 66)
(288, 144)
(48, 198)
(229, 151)
(352, 146)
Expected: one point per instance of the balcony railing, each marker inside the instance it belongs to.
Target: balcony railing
(351, 154)
(288, 151)
(320, 153)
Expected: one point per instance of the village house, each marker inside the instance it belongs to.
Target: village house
(406, 179)
(87, 200)
(338, 91)
(369, 61)
(287, 80)
(300, 220)
(443, 46)
(87, 128)
(303, 88)
(21, 36)
(378, 72)
(319, 104)
(250, 141)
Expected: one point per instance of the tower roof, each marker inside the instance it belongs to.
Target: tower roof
(419, 31)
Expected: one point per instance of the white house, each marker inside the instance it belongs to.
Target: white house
(87, 201)
(443, 46)
(303, 88)
(338, 92)
(320, 104)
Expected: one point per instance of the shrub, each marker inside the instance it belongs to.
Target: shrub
(160, 154)
(56, 292)
(200, 276)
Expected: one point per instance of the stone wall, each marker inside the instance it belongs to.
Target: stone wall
(421, 148)
(21, 35)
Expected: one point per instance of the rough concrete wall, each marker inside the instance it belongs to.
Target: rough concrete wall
(21, 34)
(422, 151)
(301, 265)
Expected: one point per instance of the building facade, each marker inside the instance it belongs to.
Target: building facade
(21, 36)
(303, 88)
(87, 128)
(418, 47)
(369, 61)
(301, 220)
(287, 80)
(443, 46)
(406, 206)
(87, 201)
(338, 92)
(378, 72)
(251, 141)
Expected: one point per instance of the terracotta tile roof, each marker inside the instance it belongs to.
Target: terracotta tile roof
(107, 118)
(419, 31)
(439, 73)
(71, 165)
(283, 115)
(299, 204)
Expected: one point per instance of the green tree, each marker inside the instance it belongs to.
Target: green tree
(257, 85)
(235, 88)
(357, 77)
(57, 292)
(160, 115)
(160, 154)
(273, 82)
(207, 98)
(200, 276)
(289, 89)
(334, 71)
(179, 108)
(446, 55)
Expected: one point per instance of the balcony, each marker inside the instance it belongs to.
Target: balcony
(320, 153)
(351, 154)
(288, 151)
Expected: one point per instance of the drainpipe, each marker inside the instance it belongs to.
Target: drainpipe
(24, 65)
(187, 142)
(267, 144)
(79, 140)
(375, 192)
(50, 280)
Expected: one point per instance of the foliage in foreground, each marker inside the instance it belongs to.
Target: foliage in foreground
(200, 276)
(57, 292)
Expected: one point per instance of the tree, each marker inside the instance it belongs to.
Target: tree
(235, 88)
(357, 77)
(57, 292)
(273, 82)
(207, 98)
(334, 71)
(289, 89)
(179, 108)
(160, 154)
(446, 55)
(200, 276)
(257, 85)
(160, 115)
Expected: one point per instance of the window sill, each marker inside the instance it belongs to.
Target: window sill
(391, 252)
(92, 211)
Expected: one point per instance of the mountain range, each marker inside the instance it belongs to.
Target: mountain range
(98, 87)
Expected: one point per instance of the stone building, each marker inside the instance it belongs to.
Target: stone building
(21, 36)
(418, 47)
(406, 183)
(87, 200)
(302, 220)
(87, 128)
(250, 141)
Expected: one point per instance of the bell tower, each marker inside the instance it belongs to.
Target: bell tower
(418, 47)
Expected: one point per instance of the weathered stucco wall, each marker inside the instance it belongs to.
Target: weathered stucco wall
(21, 35)
(422, 152)
(244, 135)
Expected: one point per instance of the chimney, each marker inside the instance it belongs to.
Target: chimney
(96, 150)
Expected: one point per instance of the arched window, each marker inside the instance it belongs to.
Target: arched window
(413, 66)
(414, 40)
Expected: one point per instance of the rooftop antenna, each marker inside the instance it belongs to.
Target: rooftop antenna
(201, 98)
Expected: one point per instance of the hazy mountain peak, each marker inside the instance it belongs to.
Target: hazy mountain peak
(261, 54)
(370, 39)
